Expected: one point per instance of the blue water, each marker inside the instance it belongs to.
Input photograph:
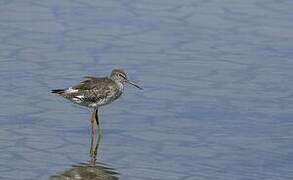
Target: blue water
(217, 100)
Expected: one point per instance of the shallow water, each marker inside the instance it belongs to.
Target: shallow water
(217, 100)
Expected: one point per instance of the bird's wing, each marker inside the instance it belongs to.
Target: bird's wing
(89, 78)
(94, 89)
(88, 83)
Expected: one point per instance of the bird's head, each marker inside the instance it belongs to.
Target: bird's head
(120, 76)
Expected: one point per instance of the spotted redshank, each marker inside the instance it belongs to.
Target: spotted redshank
(94, 92)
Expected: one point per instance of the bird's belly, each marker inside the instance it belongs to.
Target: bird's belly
(104, 101)
(80, 102)
(94, 102)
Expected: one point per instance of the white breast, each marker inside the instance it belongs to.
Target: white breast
(120, 86)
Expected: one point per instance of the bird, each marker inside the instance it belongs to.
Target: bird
(94, 92)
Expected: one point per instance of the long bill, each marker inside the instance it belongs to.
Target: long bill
(134, 84)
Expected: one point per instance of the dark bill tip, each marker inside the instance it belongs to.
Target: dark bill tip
(135, 85)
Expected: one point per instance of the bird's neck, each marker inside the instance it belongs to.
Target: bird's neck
(120, 85)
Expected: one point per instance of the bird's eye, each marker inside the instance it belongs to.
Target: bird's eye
(121, 75)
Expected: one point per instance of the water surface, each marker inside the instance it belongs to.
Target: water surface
(217, 76)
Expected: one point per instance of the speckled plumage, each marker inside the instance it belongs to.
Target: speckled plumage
(94, 92)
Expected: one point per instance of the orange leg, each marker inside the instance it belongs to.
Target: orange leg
(92, 132)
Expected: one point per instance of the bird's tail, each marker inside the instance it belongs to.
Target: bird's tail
(58, 91)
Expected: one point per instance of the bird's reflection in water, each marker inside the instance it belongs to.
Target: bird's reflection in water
(89, 171)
